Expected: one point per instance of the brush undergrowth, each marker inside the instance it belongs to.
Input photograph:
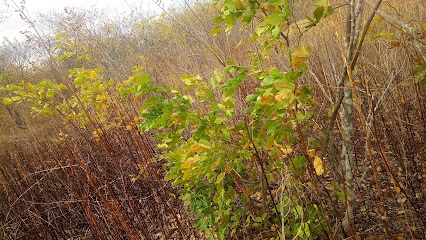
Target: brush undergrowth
(236, 153)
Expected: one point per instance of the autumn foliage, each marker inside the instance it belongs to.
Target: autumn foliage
(251, 119)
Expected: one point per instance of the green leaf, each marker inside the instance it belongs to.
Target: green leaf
(299, 161)
(274, 76)
(79, 80)
(218, 20)
(275, 18)
(225, 135)
(277, 2)
(220, 177)
(260, 31)
(276, 31)
(270, 124)
(50, 93)
(318, 13)
(230, 86)
(286, 10)
(7, 100)
(144, 78)
(218, 76)
(279, 164)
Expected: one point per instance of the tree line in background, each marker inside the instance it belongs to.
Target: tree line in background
(236, 119)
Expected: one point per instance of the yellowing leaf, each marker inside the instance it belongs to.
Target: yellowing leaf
(284, 94)
(220, 177)
(286, 149)
(7, 101)
(238, 4)
(311, 152)
(266, 99)
(357, 81)
(29, 86)
(299, 56)
(319, 169)
(128, 127)
(198, 148)
(93, 74)
(138, 97)
(190, 161)
(215, 30)
(178, 120)
(321, 3)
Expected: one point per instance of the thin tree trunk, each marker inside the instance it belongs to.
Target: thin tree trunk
(348, 155)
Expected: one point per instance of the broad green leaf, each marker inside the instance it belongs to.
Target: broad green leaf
(226, 135)
(230, 86)
(299, 161)
(318, 13)
(276, 31)
(261, 30)
(272, 123)
(218, 20)
(275, 18)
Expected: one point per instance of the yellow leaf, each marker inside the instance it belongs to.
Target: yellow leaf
(178, 120)
(266, 99)
(215, 30)
(190, 161)
(283, 94)
(93, 74)
(318, 166)
(286, 149)
(311, 152)
(128, 127)
(299, 56)
(198, 148)
(29, 86)
(357, 81)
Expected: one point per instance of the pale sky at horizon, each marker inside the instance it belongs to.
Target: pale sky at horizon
(13, 24)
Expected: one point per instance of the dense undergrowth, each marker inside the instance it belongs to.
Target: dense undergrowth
(234, 120)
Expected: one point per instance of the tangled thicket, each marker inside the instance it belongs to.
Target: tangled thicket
(193, 124)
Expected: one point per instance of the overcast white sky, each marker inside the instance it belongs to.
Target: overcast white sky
(13, 24)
